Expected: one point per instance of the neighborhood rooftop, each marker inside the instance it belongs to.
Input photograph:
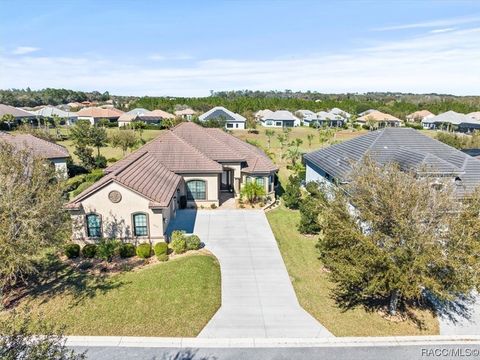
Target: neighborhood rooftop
(408, 147)
(39, 147)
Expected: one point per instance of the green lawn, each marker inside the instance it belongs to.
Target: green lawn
(312, 287)
(175, 298)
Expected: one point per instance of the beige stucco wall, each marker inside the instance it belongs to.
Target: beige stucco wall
(212, 187)
(117, 221)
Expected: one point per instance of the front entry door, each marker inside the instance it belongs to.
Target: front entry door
(226, 183)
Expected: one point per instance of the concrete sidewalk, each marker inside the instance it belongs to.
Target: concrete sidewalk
(258, 300)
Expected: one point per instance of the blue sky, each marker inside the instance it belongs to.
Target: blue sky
(190, 47)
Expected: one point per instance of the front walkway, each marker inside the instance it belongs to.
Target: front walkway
(258, 299)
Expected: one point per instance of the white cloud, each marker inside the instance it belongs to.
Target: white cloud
(22, 50)
(438, 31)
(161, 57)
(445, 62)
(432, 23)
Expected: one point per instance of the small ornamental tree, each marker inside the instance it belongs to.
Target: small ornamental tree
(123, 139)
(292, 195)
(390, 236)
(253, 191)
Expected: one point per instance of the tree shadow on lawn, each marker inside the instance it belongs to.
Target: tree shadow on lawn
(349, 300)
(56, 278)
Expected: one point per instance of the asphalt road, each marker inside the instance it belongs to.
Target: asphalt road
(399, 352)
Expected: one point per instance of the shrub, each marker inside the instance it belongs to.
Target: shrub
(75, 182)
(112, 160)
(161, 251)
(213, 206)
(126, 250)
(144, 250)
(253, 131)
(414, 125)
(94, 176)
(85, 265)
(193, 242)
(100, 162)
(89, 251)
(81, 188)
(72, 251)
(106, 249)
(179, 243)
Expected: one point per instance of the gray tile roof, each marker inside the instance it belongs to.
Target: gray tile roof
(408, 147)
(39, 147)
(18, 113)
(452, 117)
(49, 111)
(280, 115)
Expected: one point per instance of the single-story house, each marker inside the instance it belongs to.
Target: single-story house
(407, 147)
(94, 114)
(306, 115)
(341, 113)
(419, 116)
(18, 114)
(188, 165)
(144, 115)
(366, 112)
(379, 118)
(260, 114)
(280, 118)
(232, 120)
(186, 114)
(452, 120)
(48, 112)
(54, 153)
(330, 119)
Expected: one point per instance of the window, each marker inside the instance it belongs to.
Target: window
(236, 125)
(278, 123)
(269, 122)
(140, 227)
(260, 181)
(229, 125)
(94, 225)
(196, 190)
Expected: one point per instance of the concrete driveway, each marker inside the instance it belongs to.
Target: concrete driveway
(258, 299)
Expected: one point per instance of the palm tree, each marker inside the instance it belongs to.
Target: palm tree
(269, 133)
(310, 139)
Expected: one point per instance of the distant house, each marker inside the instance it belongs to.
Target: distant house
(306, 115)
(280, 118)
(232, 120)
(94, 114)
(52, 152)
(188, 165)
(336, 111)
(18, 114)
(419, 116)
(260, 114)
(366, 112)
(48, 112)
(144, 115)
(379, 118)
(452, 120)
(407, 147)
(329, 119)
(186, 114)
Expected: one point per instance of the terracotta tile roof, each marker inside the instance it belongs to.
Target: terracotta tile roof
(199, 138)
(175, 154)
(145, 175)
(98, 112)
(162, 114)
(419, 114)
(376, 115)
(184, 112)
(257, 160)
(39, 147)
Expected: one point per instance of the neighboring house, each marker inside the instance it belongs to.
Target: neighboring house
(19, 114)
(232, 120)
(94, 114)
(48, 112)
(306, 116)
(329, 119)
(280, 118)
(340, 112)
(50, 151)
(144, 115)
(452, 120)
(474, 115)
(186, 114)
(419, 116)
(366, 112)
(379, 118)
(407, 147)
(188, 165)
(260, 114)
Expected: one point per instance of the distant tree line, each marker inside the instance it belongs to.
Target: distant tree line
(48, 96)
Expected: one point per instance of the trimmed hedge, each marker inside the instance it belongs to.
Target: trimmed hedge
(179, 242)
(126, 250)
(89, 251)
(81, 187)
(161, 251)
(72, 251)
(106, 249)
(144, 250)
(193, 242)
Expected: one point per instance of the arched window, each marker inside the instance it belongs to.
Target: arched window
(196, 190)
(94, 225)
(140, 224)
